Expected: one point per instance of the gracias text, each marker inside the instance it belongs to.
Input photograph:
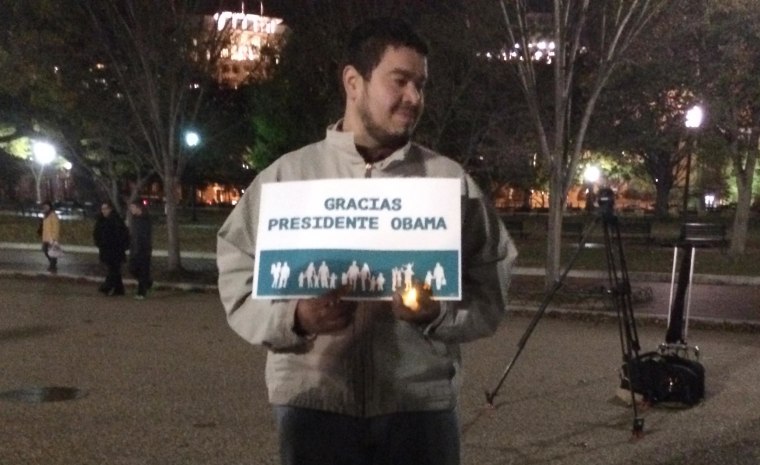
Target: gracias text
(362, 204)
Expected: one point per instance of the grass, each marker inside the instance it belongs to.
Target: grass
(200, 236)
(652, 257)
(197, 236)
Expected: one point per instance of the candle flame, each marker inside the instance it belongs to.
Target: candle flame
(409, 297)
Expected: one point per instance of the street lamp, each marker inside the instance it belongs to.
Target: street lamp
(192, 140)
(592, 174)
(44, 154)
(694, 118)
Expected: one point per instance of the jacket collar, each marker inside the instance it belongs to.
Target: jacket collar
(344, 141)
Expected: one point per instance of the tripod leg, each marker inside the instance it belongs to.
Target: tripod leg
(620, 289)
(490, 395)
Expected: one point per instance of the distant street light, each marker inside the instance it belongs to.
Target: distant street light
(592, 174)
(192, 140)
(694, 118)
(44, 154)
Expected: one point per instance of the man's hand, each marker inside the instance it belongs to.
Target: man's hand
(426, 309)
(324, 314)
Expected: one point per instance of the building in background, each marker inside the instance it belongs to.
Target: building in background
(253, 44)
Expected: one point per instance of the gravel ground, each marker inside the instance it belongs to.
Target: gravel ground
(165, 381)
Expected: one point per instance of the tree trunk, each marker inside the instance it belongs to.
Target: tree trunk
(741, 221)
(744, 178)
(661, 200)
(172, 225)
(38, 187)
(554, 231)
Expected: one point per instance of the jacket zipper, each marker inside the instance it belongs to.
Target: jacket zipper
(363, 351)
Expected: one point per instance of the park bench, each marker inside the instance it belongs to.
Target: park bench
(639, 231)
(573, 229)
(704, 235)
(515, 226)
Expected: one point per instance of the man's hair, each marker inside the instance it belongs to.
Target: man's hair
(369, 40)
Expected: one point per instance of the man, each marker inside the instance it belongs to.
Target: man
(368, 382)
(140, 248)
(111, 237)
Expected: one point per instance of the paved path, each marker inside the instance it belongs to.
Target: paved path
(715, 299)
(165, 382)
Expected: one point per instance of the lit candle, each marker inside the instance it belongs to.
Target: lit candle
(409, 297)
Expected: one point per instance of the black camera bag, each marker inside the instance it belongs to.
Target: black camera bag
(666, 378)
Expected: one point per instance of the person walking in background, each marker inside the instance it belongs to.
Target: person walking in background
(111, 236)
(50, 231)
(369, 381)
(140, 248)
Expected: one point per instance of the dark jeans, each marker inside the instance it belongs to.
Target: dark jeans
(113, 283)
(312, 437)
(52, 261)
(139, 267)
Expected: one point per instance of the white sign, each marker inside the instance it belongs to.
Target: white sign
(372, 235)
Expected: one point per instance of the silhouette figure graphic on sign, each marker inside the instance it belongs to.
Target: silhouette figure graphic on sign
(353, 275)
(439, 276)
(365, 275)
(408, 275)
(311, 278)
(324, 275)
(275, 270)
(380, 283)
(284, 275)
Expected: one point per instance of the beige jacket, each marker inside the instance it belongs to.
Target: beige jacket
(378, 365)
(51, 228)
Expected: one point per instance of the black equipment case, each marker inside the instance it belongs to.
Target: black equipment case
(673, 373)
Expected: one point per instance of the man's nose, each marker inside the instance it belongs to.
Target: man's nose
(412, 94)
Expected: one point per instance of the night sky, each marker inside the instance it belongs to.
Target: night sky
(271, 7)
(282, 8)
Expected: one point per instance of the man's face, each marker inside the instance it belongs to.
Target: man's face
(105, 209)
(390, 103)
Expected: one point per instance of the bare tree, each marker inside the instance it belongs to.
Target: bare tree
(54, 86)
(592, 35)
(161, 56)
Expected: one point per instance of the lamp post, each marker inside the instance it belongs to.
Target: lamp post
(44, 154)
(192, 139)
(66, 180)
(693, 121)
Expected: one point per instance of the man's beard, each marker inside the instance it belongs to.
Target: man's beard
(385, 138)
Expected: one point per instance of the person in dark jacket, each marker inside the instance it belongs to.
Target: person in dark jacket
(140, 248)
(111, 236)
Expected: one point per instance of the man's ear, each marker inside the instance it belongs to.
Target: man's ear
(352, 82)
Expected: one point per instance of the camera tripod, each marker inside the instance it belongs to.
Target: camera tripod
(619, 292)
